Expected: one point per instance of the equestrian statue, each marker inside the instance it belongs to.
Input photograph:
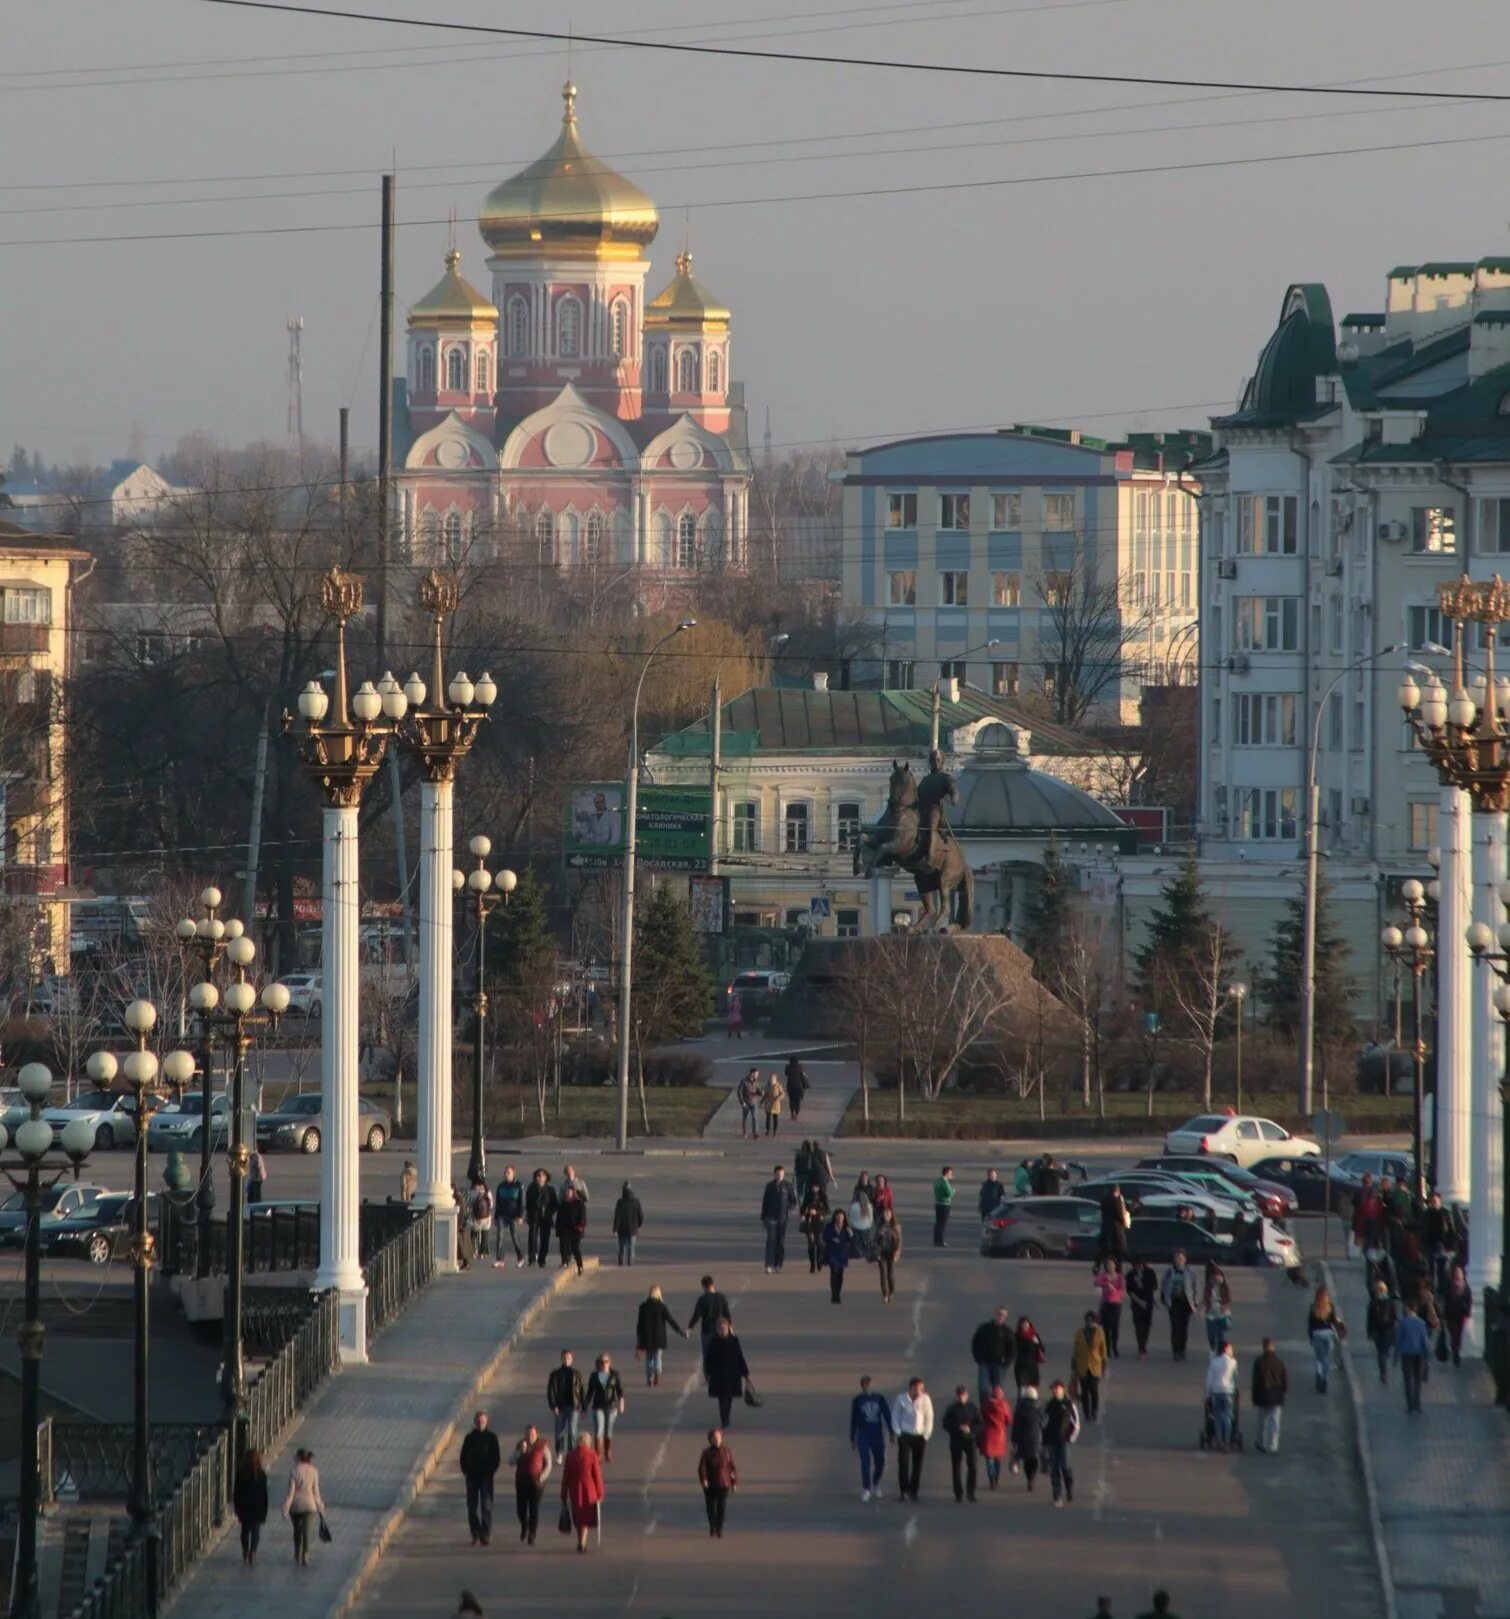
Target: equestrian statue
(914, 834)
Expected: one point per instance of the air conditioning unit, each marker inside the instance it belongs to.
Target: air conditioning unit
(1359, 804)
(1237, 664)
(1226, 568)
(1392, 533)
(1334, 567)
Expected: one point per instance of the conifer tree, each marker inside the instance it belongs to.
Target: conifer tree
(1050, 922)
(1282, 981)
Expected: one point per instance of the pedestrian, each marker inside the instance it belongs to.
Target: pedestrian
(408, 1181)
(1412, 1343)
(582, 1489)
(1142, 1297)
(571, 1226)
(796, 1085)
(467, 1606)
(775, 1095)
(912, 1421)
(1027, 1433)
(991, 1195)
(480, 1224)
(711, 1308)
(961, 1421)
(508, 1211)
(719, 1478)
(249, 1498)
(991, 1350)
(1022, 1179)
(943, 1196)
(1061, 1428)
(1115, 1221)
(1439, 1239)
(1380, 1326)
(571, 1180)
(461, 1207)
(564, 1394)
(728, 1372)
(628, 1217)
(1088, 1364)
(838, 1245)
(1160, 1608)
(1028, 1354)
(1048, 1180)
(540, 1216)
(887, 1247)
(1271, 1382)
(650, 1325)
(1457, 1309)
(748, 1093)
(303, 1503)
(869, 1429)
(734, 1022)
(862, 1187)
(604, 1401)
(776, 1204)
(256, 1176)
(480, 1460)
(1216, 1303)
(995, 1425)
(532, 1467)
(811, 1222)
(1325, 1330)
(882, 1197)
(1112, 1286)
(1177, 1295)
(1103, 1609)
(1221, 1392)
(862, 1221)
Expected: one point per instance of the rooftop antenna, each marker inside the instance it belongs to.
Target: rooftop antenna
(768, 435)
(295, 388)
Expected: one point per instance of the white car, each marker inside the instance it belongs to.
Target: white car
(1240, 1138)
(1215, 1214)
(305, 992)
(112, 1115)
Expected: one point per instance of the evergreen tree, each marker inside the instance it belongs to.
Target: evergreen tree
(1182, 943)
(672, 991)
(1049, 917)
(1281, 985)
(521, 951)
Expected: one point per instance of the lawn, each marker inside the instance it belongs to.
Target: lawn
(675, 1110)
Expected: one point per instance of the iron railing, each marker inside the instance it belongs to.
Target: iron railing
(278, 1237)
(46, 1493)
(401, 1267)
(122, 1591)
(190, 1516)
(97, 1455)
(294, 1373)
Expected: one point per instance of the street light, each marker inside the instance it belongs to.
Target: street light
(33, 1140)
(1411, 948)
(485, 891)
(1237, 994)
(933, 728)
(626, 957)
(204, 936)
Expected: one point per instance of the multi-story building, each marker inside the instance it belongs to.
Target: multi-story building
(1038, 563)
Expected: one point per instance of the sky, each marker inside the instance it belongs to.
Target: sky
(903, 251)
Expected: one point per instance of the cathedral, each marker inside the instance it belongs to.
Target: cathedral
(564, 416)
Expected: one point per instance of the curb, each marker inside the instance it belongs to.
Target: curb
(1366, 1467)
(444, 1439)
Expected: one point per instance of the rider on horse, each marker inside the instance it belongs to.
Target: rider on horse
(933, 790)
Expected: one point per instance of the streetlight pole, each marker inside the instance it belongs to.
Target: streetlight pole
(626, 953)
(1239, 993)
(205, 937)
(33, 1141)
(486, 892)
(1313, 820)
(1412, 950)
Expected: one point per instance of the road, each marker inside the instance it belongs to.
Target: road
(1231, 1536)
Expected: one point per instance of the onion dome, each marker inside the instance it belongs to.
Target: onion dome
(452, 298)
(685, 303)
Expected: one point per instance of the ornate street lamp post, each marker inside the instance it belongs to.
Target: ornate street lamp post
(1238, 993)
(485, 892)
(342, 744)
(438, 735)
(205, 937)
(1411, 949)
(31, 1176)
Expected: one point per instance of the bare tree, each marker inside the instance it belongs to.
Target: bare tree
(1199, 992)
(1082, 980)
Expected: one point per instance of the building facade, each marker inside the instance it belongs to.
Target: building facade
(1035, 562)
(566, 417)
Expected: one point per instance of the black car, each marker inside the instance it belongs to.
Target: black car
(1157, 1239)
(1273, 1197)
(1307, 1179)
(100, 1231)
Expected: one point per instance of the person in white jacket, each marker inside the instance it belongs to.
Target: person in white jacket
(912, 1417)
(1221, 1392)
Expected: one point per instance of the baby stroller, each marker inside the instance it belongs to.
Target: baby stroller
(1207, 1439)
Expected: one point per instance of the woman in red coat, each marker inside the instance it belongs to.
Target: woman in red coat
(995, 1419)
(582, 1488)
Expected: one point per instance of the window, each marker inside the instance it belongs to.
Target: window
(658, 371)
(1006, 590)
(1359, 734)
(568, 328)
(429, 530)
(954, 589)
(847, 924)
(745, 828)
(618, 329)
(847, 825)
(686, 541)
(1267, 812)
(1334, 619)
(451, 528)
(952, 669)
(482, 371)
(1216, 721)
(1059, 587)
(1006, 511)
(1266, 623)
(427, 370)
(1423, 824)
(29, 606)
(1263, 720)
(1493, 531)
(545, 534)
(1050, 680)
(1425, 624)
(456, 370)
(592, 540)
(713, 374)
(796, 829)
(902, 588)
(901, 511)
(1184, 590)
(1334, 720)
(954, 511)
(1268, 525)
(899, 674)
(1433, 530)
(686, 371)
(1059, 513)
(519, 327)
(1003, 679)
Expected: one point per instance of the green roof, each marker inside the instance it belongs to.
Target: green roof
(1467, 424)
(1302, 348)
(1363, 320)
(1448, 267)
(1402, 272)
(1501, 265)
(1492, 317)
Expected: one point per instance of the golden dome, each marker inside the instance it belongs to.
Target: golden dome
(567, 204)
(452, 298)
(685, 302)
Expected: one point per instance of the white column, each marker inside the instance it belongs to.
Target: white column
(1486, 1191)
(435, 906)
(340, 1263)
(1453, 1108)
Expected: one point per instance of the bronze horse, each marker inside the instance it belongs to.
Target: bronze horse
(945, 882)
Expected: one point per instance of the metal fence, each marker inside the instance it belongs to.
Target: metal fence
(277, 1237)
(295, 1372)
(97, 1456)
(195, 1510)
(401, 1267)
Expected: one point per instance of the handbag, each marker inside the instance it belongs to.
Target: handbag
(563, 1523)
(752, 1399)
(325, 1533)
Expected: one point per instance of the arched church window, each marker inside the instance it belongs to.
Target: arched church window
(592, 540)
(427, 370)
(686, 371)
(482, 371)
(686, 541)
(519, 327)
(568, 328)
(545, 535)
(658, 371)
(429, 532)
(713, 373)
(619, 329)
(451, 528)
(456, 370)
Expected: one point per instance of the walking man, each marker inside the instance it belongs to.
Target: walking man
(540, 1214)
(532, 1467)
(628, 1217)
(912, 1421)
(796, 1085)
(749, 1097)
(1177, 1294)
(991, 1350)
(869, 1429)
(711, 1308)
(1142, 1296)
(992, 1194)
(1061, 1428)
(719, 1479)
(1412, 1343)
(508, 1211)
(480, 1459)
(1271, 1382)
(564, 1394)
(776, 1206)
(962, 1424)
(943, 1196)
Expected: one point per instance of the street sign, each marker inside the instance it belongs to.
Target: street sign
(818, 906)
(1328, 1124)
(671, 827)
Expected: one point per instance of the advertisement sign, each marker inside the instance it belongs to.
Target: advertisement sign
(709, 899)
(671, 827)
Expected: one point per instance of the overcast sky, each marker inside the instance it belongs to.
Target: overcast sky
(1115, 302)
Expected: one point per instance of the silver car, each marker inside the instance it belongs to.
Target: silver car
(1037, 1227)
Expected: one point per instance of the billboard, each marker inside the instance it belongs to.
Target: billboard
(671, 827)
(709, 899)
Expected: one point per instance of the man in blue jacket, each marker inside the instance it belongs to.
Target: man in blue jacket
(508, 1211)
(869, 1429)
(1412, 1344)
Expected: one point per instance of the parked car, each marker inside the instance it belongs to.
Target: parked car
(756, 989)
(181, 1124)
(1305, 1177)
(1158, 1239)
(1245, 1225)
(56, 1202)
(1273, 1197)
(1037, 1227)
(299, 1122)
(112, 1115)
(1348, 1170)
(1240, 1137)
(305, 992)
(100, 1231)
(1140, 1185)
(15, 1110)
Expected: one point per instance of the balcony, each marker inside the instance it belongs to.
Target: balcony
(24, 640)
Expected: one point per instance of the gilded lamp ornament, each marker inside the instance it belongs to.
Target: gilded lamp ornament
(440, 722)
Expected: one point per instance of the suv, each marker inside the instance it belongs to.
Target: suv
(1239, 1137)
(305, 992)
(1037, 1227)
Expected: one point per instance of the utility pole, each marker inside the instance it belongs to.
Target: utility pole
(296, 389)
(345, 442)
(715, 764)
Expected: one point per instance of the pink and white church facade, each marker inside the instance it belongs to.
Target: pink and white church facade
(564, 414)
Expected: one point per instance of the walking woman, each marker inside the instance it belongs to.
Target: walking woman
(250, 1502)
(775, 1095)
(1216, 1300)
(862, 1221)
(303, 1503)
(1112, 1287)
(582, 1488)
(1027, 1432)
(650, 1334)
(1027, 1354)
(995, 1424)
(838, 1245)
(888, 1250)
(605, 1401)
(811, 1222)
(1324, 1327)
(726, 1369)
(571, 1225)
(1142, 1295)
(882, 1198)
(1380, 1326)
(1457, 1308)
